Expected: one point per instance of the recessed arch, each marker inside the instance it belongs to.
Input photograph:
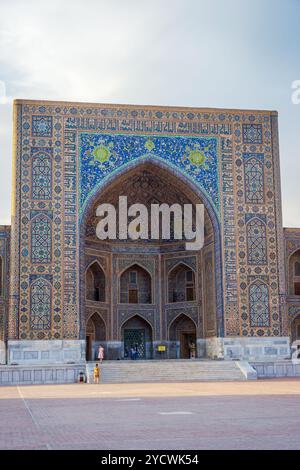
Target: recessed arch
(137, 336)
(137, 263)
(297, 268)
(90, 315)
(96, 334)
(293, 252)
(181, 283)
(293, 278)
(178, 263)
(182, 332)
(99, 324)
(95, 261)
(139, 315)
(95, 282)
(295, 331)
(135, 285)
(181, 314)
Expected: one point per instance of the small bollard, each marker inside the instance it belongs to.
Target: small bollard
(81, 378)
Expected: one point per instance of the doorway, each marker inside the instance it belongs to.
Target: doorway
(183, 333)
(89, 340)
(95, 335)
(135, 338)
(137, 334)
(187, 345)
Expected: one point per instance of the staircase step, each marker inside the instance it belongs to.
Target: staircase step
(166, 371)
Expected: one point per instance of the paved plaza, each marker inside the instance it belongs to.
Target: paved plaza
(264, 414)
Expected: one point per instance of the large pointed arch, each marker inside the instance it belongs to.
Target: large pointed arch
(190, 186)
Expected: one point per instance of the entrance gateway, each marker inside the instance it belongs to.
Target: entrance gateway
(237, 297)
(155, 288)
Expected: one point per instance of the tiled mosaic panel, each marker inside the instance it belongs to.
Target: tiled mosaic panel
(101, 154)
(254, 178)
(258, 248)
(4, 279)
(41, 173)
(56, 127)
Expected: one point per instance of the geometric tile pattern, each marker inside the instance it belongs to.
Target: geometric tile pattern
(42, 126)
(41, 239)
(254, 178)
(41, 174)
(101, 154)
(252, 133)
(40, 311)
(256, 242)
(259, 304)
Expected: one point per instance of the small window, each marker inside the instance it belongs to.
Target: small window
(133, 277)
(297, 268)
(133, 296)
(297, 288)
(97, 294)
(190, 294)
(189, 276)
(298, 331)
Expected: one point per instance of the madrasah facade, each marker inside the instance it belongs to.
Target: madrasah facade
(63, 292)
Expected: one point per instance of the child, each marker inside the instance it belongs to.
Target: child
(96, 374)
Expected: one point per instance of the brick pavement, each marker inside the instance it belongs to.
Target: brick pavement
(264, 414)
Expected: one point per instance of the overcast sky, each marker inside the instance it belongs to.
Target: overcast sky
(205, 53)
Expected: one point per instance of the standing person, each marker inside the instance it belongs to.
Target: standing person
(192, 348)
(136, 352)
(101, 353)
(96, 374)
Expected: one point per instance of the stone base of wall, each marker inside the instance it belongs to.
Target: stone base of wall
(2, 353)
(277, 369)
(215, 348)
(30, 375)
(201, 348)
(257, 349)
(74, 351)
(46, 352)
(114, 350)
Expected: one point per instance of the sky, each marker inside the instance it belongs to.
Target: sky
(201, 53)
